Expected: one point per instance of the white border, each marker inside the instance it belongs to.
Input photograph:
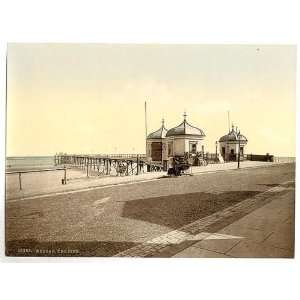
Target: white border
(230, 21)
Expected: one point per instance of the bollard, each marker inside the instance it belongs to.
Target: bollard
(20, 181)
(65, 175)
(137, 165)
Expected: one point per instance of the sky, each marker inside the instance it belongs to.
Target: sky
(89, 98)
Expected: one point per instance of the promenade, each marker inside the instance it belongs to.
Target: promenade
(266, 232)
(247, 212)
(44, 183)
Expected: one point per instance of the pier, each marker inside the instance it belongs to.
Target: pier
(108, 164)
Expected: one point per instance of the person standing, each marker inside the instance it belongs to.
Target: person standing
(170, 165)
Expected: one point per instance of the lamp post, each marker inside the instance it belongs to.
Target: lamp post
(239, 153)
(216, 151)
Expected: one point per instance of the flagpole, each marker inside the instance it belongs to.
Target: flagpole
(146, 127)
(228, 115)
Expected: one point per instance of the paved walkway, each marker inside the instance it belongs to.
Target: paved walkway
(265, 232)
(165, 218)
(230, 166)
(46, 183)
(36, 184)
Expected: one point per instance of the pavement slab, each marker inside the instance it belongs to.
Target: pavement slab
(220, 246)
(195, 252)
(271, 236)
(196, 229)
(251, 249)
(241, 229)
(282, 238)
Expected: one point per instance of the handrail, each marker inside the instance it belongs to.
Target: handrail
(31, 171)
(64, 180)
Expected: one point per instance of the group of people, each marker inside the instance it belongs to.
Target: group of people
(177, 166)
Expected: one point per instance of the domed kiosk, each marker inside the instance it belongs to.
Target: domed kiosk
(231, 144)
(177, 141)
(184, 138)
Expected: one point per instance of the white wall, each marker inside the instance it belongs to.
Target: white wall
(165, 150)
(179, 146)
(182, 144)
(148, 150)
(229, 147)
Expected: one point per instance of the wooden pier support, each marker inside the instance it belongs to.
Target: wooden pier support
(113, 165)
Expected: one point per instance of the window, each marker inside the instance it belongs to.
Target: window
(242, 150)
(170, 149)
(193, 147)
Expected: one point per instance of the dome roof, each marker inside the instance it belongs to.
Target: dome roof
(185, 129)
(233, 136)
(158, 134)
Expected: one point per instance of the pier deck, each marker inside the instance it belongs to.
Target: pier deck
(111, 164)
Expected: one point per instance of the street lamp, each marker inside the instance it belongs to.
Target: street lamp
(216, 151)
(239, 153)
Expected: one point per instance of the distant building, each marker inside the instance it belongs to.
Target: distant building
(177, 141)
(229, 145)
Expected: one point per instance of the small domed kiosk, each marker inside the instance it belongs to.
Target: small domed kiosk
(184, 138)
(178, 141)
(231, 144)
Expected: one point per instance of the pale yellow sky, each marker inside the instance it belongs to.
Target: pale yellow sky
(89, 98)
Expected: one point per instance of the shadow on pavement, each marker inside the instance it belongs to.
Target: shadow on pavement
(268, 184)
(178, 210)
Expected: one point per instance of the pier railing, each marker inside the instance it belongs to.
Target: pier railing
(99, 155)
(109, 164)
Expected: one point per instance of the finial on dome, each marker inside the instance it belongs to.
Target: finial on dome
(184, 115)
(232, 127)
(163, 122)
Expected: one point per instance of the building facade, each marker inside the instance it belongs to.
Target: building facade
(231, 144)
(156, 145)
(182, 139)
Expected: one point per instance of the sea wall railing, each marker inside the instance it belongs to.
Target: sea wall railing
(283, 159)
(63, 181)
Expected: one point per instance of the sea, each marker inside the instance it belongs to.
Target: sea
(19, 163)
(16, 163)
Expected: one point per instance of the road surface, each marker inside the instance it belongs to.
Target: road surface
(109, 221)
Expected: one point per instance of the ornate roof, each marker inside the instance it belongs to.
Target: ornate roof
(233, 136)
(185, 129)
(160, 133)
